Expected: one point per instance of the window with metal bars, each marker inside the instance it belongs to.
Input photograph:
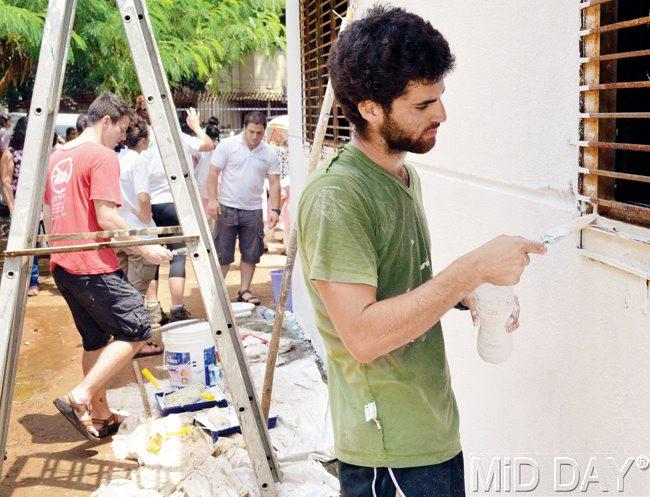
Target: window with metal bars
(615, 99)
(319, 26)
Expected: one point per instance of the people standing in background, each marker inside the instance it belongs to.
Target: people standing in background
(71, 133)
(164, 214)
(239, 167)
(11, 162)
(5, 126)
(136, 210)
(202, 168)
(82, 194)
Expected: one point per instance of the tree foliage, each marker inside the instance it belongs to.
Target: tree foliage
(197, 39)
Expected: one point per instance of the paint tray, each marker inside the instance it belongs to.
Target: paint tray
(220, 401)
(204, 421)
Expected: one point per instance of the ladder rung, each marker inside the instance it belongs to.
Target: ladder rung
(99, 245)
(165, 230)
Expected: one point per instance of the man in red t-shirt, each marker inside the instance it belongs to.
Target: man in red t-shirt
(82, 194)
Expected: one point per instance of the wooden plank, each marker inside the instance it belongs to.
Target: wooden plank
(164, 230)
(591, 100)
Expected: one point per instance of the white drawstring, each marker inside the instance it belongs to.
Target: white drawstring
(392, 477)
(374, 480)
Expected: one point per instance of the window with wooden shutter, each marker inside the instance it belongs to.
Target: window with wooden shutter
(615, 114)
(319, 26)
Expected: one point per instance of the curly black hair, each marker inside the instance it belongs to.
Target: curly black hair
(376, 57)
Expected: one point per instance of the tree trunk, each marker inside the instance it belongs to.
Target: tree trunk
(9, 76)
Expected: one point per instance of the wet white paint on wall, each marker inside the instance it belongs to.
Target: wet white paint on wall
(578, 381)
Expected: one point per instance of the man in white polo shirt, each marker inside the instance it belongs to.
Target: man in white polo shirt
(240, 165)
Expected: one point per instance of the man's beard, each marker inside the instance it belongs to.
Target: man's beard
(398, 141)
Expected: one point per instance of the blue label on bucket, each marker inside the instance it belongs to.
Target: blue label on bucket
(178, 367)
(177, 358)
(209, 359)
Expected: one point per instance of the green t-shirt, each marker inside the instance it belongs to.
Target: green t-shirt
(358, 223)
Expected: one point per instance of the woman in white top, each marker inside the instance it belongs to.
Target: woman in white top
(202, 168)
(164, 214)
(136, 202)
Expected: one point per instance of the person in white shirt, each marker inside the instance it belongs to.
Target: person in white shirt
(136, 203)
(202, 168)
(239, 167)
(164, 214)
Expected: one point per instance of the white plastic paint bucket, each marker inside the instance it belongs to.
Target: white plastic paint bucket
(190, 353)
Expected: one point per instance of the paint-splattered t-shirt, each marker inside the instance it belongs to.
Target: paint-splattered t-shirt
(358, 223)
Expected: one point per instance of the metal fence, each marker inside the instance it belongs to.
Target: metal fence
(231, 108)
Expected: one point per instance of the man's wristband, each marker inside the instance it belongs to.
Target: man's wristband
(461, 307)
(277, 211)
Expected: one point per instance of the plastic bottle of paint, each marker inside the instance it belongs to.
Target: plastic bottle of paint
(266, 313)
(494, 305)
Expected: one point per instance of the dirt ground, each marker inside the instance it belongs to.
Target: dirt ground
(45, 455)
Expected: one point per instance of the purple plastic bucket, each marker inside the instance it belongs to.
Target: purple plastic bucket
(276, 281)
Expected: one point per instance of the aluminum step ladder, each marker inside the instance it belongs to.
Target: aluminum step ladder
(196, 232)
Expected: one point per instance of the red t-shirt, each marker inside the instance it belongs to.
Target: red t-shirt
(75, 178)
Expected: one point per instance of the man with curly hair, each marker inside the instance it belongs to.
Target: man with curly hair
(366, 257)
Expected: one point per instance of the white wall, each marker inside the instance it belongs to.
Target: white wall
(257, 72)
(578, 383)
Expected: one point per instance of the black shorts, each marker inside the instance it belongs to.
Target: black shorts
(446, 479)
(104, 305)
(248, 226)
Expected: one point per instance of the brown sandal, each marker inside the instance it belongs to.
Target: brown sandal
(250, 300)
(108, 426)
(159, 350)
(67, 408)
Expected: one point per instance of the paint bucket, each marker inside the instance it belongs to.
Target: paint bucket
(276, 281)
(190, 354)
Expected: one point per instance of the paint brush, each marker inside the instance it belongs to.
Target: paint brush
(558, 232)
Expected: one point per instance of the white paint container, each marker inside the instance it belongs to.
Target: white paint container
(190, 354)
(494, 305)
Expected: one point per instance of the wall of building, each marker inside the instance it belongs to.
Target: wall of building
(258, 72)
(578, 382)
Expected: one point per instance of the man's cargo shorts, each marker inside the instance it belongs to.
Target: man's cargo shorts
(104, 305)
(248, 226)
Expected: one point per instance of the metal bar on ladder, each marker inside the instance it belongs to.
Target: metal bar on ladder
(86, 247)
(93, 235)
(162, 113)
(40, 130)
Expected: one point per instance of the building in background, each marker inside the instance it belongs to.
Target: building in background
(257, 83)
(547, 108)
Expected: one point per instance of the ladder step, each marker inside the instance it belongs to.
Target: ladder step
(165, 230)
(99, 245)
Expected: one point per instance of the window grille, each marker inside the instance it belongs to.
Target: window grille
(319, 26)
(615, 114)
